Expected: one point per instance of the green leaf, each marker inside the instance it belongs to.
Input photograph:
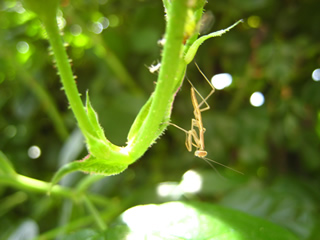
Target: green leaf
(287, 202)
(141, 117)
(194, 47)
(180, 220)
(98, 144)
(93, 118)
(97, 147)
(139, 120)
(90, 165)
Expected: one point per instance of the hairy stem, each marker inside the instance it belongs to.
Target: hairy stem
(164, 92)
(66, 74)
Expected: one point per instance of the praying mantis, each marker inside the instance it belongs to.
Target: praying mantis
(195, 138)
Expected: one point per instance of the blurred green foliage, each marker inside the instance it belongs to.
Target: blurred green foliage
(112, 43)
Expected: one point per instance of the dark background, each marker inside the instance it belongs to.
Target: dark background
(275, 146)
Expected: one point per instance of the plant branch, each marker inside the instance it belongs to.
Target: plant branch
(33, 185)
(105, 158)
(164, 92)
(66, 74)
(94, 212)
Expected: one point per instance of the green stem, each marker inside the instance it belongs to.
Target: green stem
(33, 185)
(106, 158)
(168, 77)
(66, 74)
(80, 223)
(95, 213)
(114, 209)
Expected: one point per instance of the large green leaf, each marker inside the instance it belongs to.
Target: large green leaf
(181, 220)
(286, 202)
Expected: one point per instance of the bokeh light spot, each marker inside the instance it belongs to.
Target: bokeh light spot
(316, 75)
(254, 21)
(105, 22)
(60, 20)
(113, 20)
(191, 182)
(221, 80)
(80, 40)
(257, 99)
(169, 189)
(75, 30)
(22, 47)
(10, 131)
(96, 28)
(34, 152)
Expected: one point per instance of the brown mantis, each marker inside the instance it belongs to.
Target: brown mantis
(194, 138)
